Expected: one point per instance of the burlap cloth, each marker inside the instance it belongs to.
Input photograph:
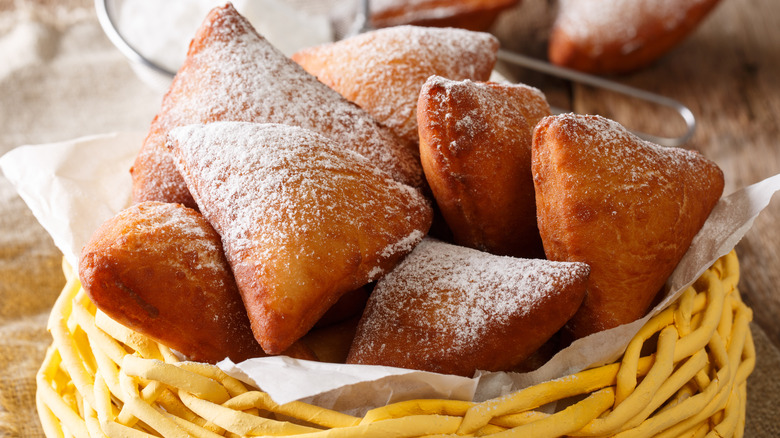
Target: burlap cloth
(60, 78)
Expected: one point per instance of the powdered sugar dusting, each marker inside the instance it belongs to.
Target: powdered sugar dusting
(642, 166)
(155, 230)
(173, 225)
(234, 74)
(604, 22)
(402, 246)
(494, 108)
(383, 71)
(269, 188)
(407, 11)
(647, 172)
(460, 291)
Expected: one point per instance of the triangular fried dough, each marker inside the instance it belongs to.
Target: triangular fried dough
(475, 148)
(383, 70)
(454, 310)
(303, 221)
(159, 269)
(233, 74)
(626, 207)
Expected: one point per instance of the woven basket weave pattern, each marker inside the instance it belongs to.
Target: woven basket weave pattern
(102, 379)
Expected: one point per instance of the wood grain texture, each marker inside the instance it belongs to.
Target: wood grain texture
(728, 73)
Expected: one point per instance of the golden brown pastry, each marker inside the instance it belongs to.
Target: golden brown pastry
(232, 73)
(159, 269)
(604, 36)
(303, 221)
(626, 207)
(331, 343)
(382, 71)
(350, 305)
(475, 148)
(466, 14)
(454, 310)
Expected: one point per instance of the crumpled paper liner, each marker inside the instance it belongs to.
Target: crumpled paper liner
(350, 389)
(74, 186)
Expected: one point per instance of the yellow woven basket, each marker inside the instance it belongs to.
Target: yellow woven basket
(101, 379)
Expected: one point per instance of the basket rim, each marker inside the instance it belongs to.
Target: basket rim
(101, 378)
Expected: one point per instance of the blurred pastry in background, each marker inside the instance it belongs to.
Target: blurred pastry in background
(465, 14)
(608, 37)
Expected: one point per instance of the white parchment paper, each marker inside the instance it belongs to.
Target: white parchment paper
(74, 186)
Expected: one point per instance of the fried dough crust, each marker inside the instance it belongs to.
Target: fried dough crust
(159, 269)
(303, 221)
(233, 74)
(475, 148)
(626, 207)
(454, 310)
(383, 70)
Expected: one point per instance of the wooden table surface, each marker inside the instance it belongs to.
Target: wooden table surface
(727, 72)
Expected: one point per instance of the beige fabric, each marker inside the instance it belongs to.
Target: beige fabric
(60, 78)
(763, 390)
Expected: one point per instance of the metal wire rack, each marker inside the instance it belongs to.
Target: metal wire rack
(362, 23)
